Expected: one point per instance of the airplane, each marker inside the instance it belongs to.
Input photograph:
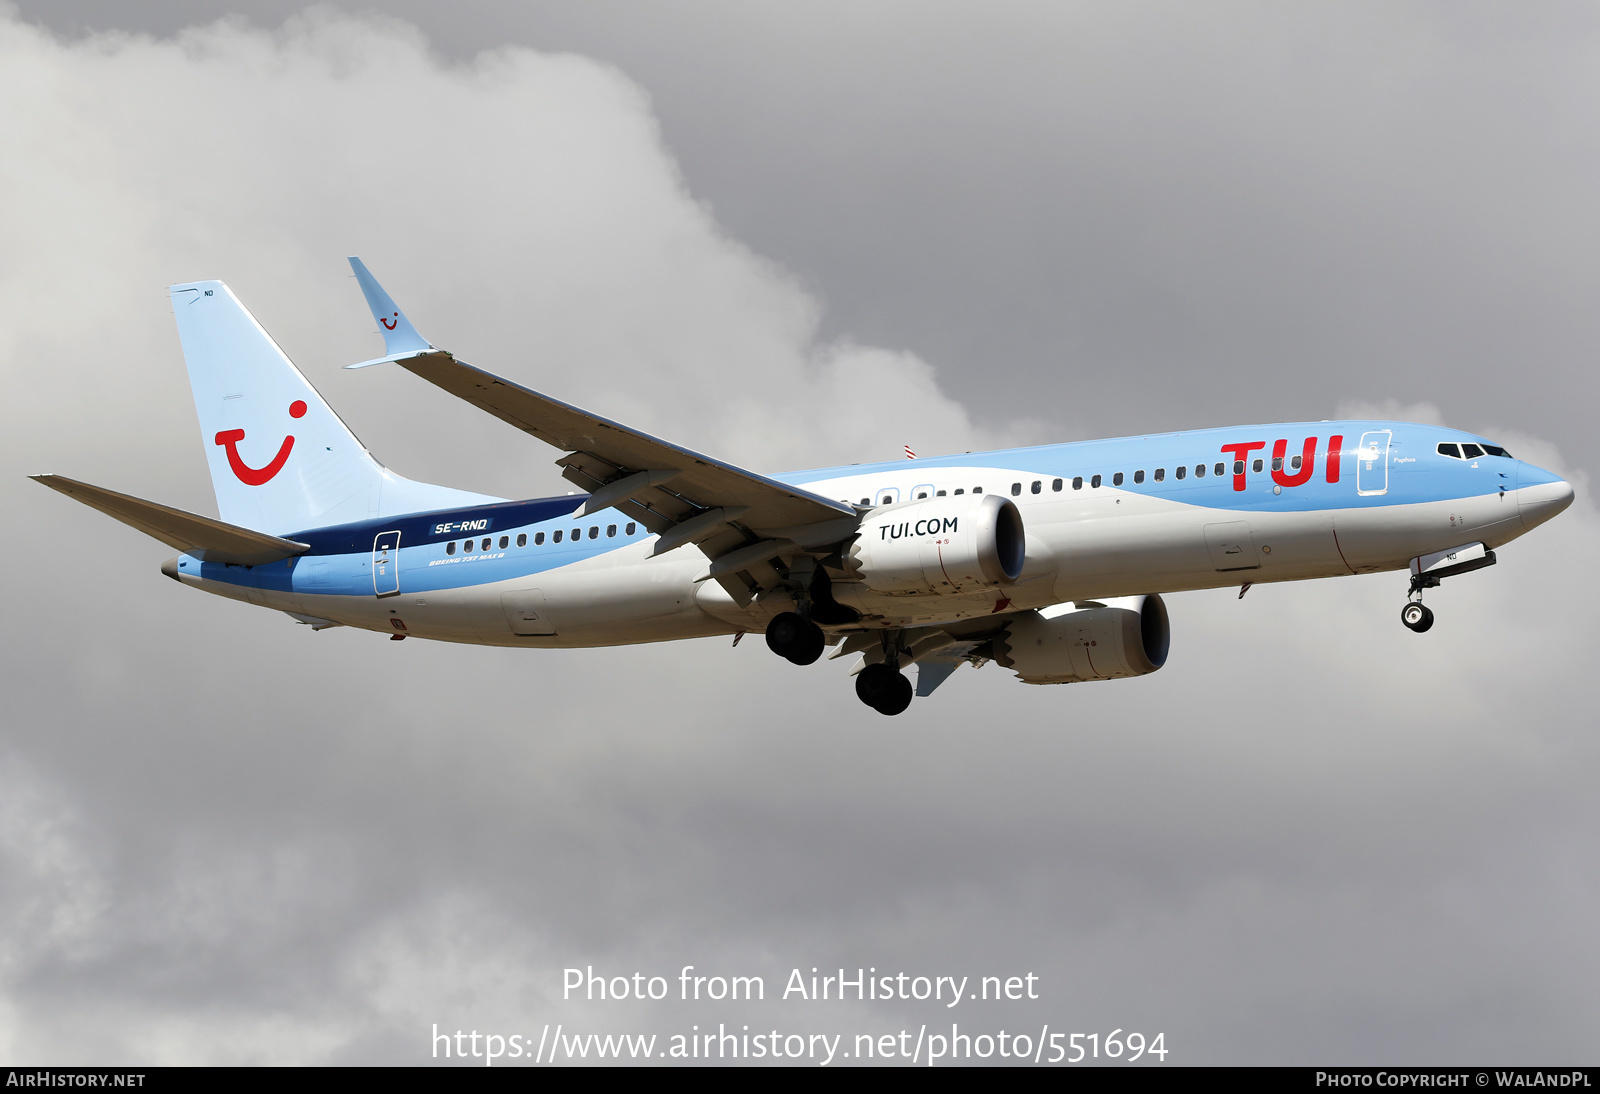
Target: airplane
(1048, 560)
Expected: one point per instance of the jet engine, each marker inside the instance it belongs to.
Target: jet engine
(957, 544)
(1089, 640)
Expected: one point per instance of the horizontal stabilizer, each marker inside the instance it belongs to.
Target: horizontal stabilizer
(206, 539)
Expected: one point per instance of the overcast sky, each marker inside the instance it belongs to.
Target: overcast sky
(794, 235)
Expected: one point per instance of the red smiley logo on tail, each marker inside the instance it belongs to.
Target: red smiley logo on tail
(252, 476)
(389, 324)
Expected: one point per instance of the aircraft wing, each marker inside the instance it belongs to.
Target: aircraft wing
(206, 539)
(742, 521)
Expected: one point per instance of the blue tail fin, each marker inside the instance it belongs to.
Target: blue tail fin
(280, 458)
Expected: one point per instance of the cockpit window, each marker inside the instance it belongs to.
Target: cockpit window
(1472, 451)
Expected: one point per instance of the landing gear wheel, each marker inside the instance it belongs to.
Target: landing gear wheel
(800, 640)
(899, 697)
(883, 689)
(1416, 616)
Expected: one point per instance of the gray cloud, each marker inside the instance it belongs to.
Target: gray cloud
(1312, 837)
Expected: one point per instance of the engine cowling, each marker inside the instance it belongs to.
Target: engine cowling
(947, 545)
(1103, 640)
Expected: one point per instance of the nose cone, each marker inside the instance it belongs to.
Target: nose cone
(1540, 494)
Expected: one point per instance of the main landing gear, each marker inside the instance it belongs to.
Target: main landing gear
(882, 686)
(800, 640)
(884, 689)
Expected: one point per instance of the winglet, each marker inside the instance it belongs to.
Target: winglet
(400, 338)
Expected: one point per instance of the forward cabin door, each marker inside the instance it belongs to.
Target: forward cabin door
(386, 564)
(1372, 463)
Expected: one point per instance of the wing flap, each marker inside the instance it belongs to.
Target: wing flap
(206, 539)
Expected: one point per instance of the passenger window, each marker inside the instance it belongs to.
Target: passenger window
(1219, 469)
(505, 541)
(522, 539)
(1294, 463)
(1035, 487)
(1095, 482)
(866, 501)
(1471, 451)
(1256, 467)
(577, 534)
(1077, 482)
(556, 536)
(1056, 485)
(1238, 468)
(611, 530)
(630, 527)
(1116, 480)
(1161, 474)
(594, 531)
(538, 539)
(1277, 463)
(450, 548)
(486, 542)
(940, 493)
(922, 495)
(1199, 470)
(977, 489)
(961, 491)
(1016, 489)
(1138, 477)
(1182, 471)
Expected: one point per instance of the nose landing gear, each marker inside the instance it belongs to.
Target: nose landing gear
(1416, 616)
(1428, 570)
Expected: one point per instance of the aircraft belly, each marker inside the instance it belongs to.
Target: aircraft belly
(1387, 537)
(1176, 547)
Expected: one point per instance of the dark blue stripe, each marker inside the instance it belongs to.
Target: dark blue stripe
(418, 528)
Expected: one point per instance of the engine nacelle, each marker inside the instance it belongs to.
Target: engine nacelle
(1100, 640)
(942, 545)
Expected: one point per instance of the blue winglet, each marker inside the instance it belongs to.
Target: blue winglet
(400, 338)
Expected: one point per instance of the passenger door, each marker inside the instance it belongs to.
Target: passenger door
(1372, 463)
(386, 564)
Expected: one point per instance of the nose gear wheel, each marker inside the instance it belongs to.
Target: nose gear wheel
(1416, 616)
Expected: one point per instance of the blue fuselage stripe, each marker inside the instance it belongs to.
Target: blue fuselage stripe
(340, 557)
